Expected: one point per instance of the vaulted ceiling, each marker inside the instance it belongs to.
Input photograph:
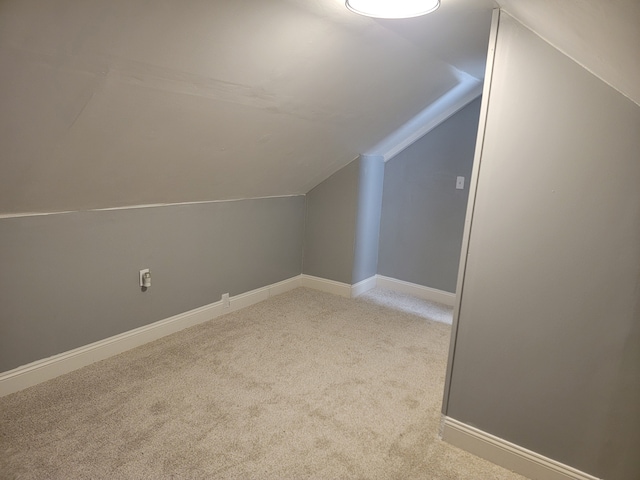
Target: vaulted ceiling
(125, 102)
(109, 103)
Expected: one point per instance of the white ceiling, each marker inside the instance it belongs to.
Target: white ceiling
(109, 103)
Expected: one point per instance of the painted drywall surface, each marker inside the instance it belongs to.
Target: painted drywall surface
(370, 185)
(119, 103)
(330, 225)
(602, 36)
(71, 279)
(422, 212)
(548, 345)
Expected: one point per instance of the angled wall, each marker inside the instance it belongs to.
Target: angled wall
(547, 352)
(330, 225)
(370, 187)
(422, 211)
(343, 223)
(71, 279)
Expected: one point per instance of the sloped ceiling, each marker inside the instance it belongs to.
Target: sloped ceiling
(109, 103)
(601, 35)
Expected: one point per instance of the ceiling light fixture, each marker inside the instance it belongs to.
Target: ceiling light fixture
(392, 8)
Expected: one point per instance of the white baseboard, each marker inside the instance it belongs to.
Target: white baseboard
(48, 368)
(508, 455)
(416, 290)
(324, 285)
(363, 286)
(258, 295)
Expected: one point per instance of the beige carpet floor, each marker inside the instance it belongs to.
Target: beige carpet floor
(303, 385)
(409, 304)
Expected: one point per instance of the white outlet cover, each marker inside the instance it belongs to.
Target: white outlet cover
(141, 279)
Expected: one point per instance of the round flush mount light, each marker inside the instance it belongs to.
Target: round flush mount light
(392, 8)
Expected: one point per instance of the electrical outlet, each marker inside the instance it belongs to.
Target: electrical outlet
(226, 303)
(145, 278)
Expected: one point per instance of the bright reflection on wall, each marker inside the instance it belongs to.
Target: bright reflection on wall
(392, 8)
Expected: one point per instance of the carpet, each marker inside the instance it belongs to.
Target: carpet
(404, 302)
(303, 385)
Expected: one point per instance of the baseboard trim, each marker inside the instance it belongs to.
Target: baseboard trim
(506, 454)
(51, 367)
(247, 299)
(46, 369)
(363, 286)
(324, 285)
(416, 290)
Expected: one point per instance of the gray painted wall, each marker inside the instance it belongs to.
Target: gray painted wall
(422, 212)
(330, 226)
(343, 223)
(547, 354)
(71, 279)
(370, 187)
